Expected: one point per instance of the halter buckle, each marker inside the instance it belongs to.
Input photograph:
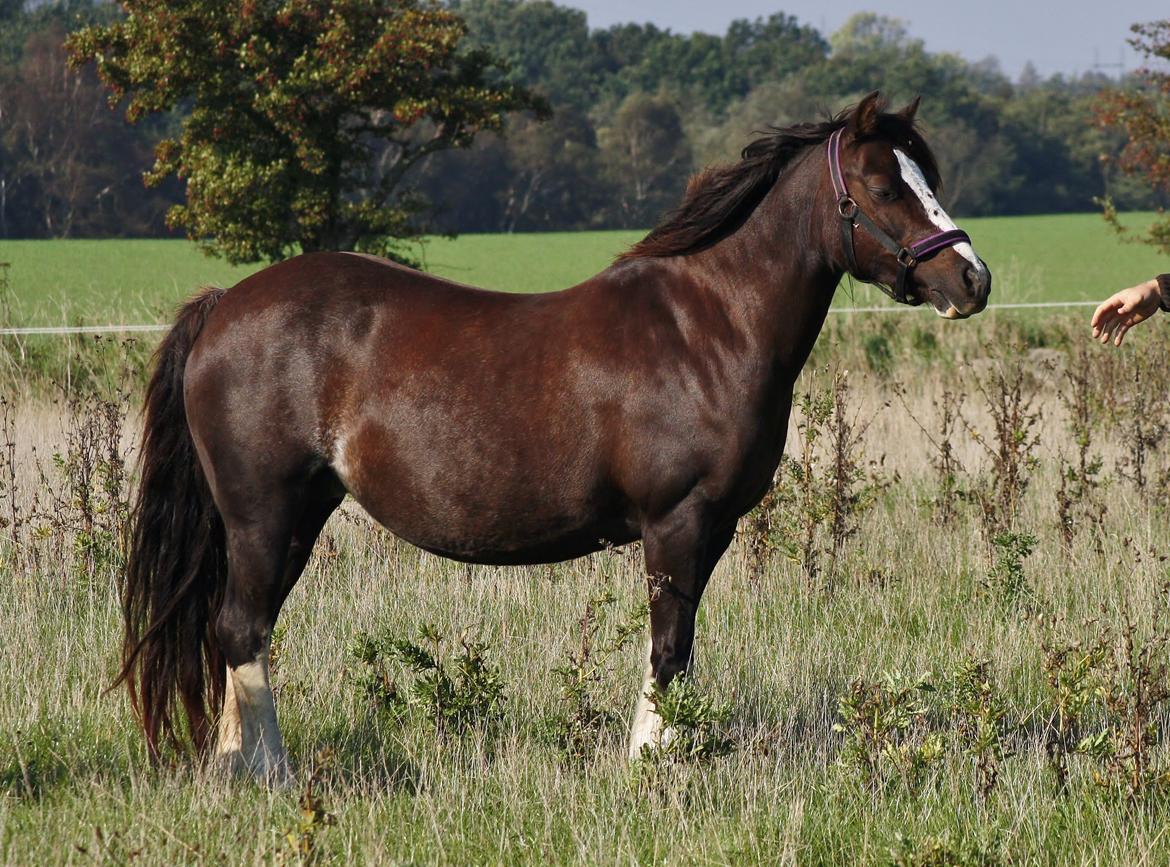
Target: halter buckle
(906, 258)
(847, 208)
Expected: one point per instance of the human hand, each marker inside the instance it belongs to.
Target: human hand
(1123, 311)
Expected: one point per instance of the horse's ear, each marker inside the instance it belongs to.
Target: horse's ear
(910, 111)
(865, 116)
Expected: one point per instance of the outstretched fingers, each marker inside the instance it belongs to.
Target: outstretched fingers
(1113, 319)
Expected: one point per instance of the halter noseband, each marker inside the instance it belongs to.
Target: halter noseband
(852, 217)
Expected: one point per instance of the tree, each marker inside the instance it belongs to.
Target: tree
(692, 68)
(553, 177)
(649, 156)
(768, 49)
(306, 117)
(547, 46)
(68, 165)
(1141, 112)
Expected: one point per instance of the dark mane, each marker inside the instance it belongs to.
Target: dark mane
(719, 199)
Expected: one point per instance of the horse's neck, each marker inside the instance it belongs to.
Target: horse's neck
(774, 277)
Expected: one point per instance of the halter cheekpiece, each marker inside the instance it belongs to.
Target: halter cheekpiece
(852, 217)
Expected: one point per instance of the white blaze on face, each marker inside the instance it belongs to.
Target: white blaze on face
(916, 181)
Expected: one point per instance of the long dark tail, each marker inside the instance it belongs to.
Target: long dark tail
(177, 565)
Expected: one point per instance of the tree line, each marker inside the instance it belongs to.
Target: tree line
(569, 128)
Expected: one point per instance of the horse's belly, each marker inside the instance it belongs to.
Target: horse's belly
(498, 537)
(488, 510)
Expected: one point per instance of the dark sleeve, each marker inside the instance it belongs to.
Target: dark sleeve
(1164, 289)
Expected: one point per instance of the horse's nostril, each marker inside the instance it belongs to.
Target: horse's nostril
(976, 279)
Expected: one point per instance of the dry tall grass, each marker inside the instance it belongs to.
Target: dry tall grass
(911, 594)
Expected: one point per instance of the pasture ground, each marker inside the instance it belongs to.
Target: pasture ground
(913, 594)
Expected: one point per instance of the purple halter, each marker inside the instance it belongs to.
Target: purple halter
(852, 217)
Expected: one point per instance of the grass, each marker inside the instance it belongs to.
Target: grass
(911, 596)
(1062, 257)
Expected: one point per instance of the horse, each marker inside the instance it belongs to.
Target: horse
(649, 402)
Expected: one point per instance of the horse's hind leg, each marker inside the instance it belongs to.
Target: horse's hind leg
(231, 751)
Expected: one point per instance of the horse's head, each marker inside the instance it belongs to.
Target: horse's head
(892, 228)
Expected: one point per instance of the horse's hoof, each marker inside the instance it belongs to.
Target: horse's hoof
(650, 742)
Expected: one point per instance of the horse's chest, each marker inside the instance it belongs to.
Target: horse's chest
(746, 472)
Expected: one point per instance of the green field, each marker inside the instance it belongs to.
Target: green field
(1063, 257)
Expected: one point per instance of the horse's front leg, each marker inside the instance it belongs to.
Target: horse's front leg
(681, 552)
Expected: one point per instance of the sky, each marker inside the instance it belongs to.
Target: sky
(1067, 37)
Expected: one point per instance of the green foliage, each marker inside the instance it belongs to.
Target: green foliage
(941, 851)
(335, 122)
(455, 694)
(1073, 684)
(577, 728)
(545, 45)
(693, 724)
(1007, 582)
(1135, 689)
(1010, 397)
(1140, 112)
(302, 842)
(899, 730)
(791, 516)
(820, 495)
(979, 719)
(305, 118)
(885, 734)
(648, 158)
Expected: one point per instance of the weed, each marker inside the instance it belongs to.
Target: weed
(886, 735)
(302, 843)
(819, 496)
(93, 503)
(373, 673)
(853, 487)
(1011, 446)
(1144, 413)
(1071, 672)
(979, 718)
(1007, 583)
(693, 724)
(454, 694)
(1077, 504)
(12, 517)
(801, 497)
(940, 851)
(1136, 687)
(947, 468)
(581, 719)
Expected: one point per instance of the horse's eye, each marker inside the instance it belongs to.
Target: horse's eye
(883, 194)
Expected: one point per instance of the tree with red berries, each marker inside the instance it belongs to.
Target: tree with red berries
(1141, 111)
(305, 116)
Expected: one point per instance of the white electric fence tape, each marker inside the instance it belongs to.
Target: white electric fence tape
(133, 329)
